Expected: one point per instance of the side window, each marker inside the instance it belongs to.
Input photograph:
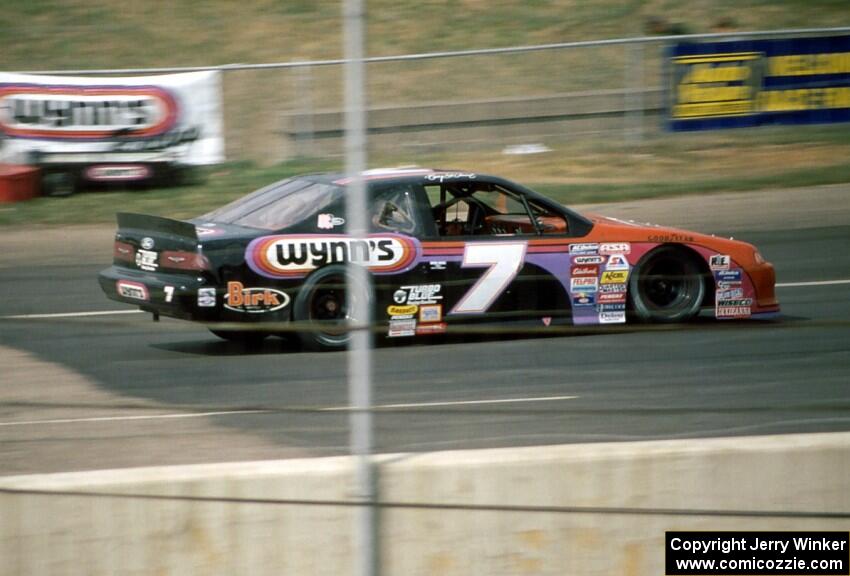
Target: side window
(482, 208)
(394, 209)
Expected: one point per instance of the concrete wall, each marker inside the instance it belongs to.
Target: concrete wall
(75, 535)
(474, 124)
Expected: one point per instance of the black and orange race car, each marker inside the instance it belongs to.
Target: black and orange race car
(445, 248)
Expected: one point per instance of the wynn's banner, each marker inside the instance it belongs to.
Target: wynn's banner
(107, 122)
(755, 82)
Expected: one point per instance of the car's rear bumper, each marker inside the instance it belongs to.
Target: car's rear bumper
(175, 295)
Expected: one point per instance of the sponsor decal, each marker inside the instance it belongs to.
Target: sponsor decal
(585, 271)
(134, 290)
(206, 297)
(147, 243)
(614, 277)
(617, 262)
(611, 307)
(611, 297)
(724, 311)
(293, 256)
(584, 284)
(729, 294)
(443, 176)
(85, 112)
(254, 300)
(734, 308)
(117, 172)
(727, 276)
(670, 238)
(612, 289)
(431, 313)
(435, 328)
(612, 317)
(584, 248)
(329, 221)
(547, 320)
(584, 299)
(583, 260)
(147, 260)
(719, 262)
(438, 265)
(406, 311)
(737, 302)
(400, 328)
(420, 294)
(615, 248)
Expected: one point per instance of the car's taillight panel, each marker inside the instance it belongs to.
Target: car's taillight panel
(123, 252)
(182, 260)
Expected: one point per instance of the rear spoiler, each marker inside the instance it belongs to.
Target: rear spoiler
(157, 224)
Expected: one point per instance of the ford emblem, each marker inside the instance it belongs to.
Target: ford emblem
(147, 243)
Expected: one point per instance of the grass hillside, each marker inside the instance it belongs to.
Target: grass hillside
(55, 34)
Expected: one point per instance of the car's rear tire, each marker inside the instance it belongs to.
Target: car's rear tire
(667, 286)
(249, 338)
(323, 308)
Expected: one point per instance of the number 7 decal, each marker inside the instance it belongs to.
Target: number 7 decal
(503, 259)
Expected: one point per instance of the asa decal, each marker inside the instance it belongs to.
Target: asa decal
(615, 248)
(294, 256)
(85, 112)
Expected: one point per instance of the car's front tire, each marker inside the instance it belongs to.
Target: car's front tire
(667, 286)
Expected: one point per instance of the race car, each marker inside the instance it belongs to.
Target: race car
(445, 249)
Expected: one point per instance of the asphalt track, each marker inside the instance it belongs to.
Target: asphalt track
(125, 391)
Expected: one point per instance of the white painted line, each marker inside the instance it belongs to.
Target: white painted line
(71, 314)
(231, 412)
(123, 418)
(459, 403)
(819, 283)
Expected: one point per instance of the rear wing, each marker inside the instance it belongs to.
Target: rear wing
(157, 224)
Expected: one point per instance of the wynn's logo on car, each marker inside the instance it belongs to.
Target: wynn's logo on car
(292, 256)
(85, 112)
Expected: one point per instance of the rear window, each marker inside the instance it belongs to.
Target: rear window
(280, 205)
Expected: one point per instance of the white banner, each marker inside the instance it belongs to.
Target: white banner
(175, 118)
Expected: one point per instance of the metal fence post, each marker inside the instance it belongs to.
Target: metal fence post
(633, 118)
(359, 291)
(304, 117)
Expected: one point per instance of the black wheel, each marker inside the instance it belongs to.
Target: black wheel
(58, 184)
(324, 304)
(249, 338)
(667, 286)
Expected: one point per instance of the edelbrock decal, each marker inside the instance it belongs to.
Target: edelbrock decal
(295, 256)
